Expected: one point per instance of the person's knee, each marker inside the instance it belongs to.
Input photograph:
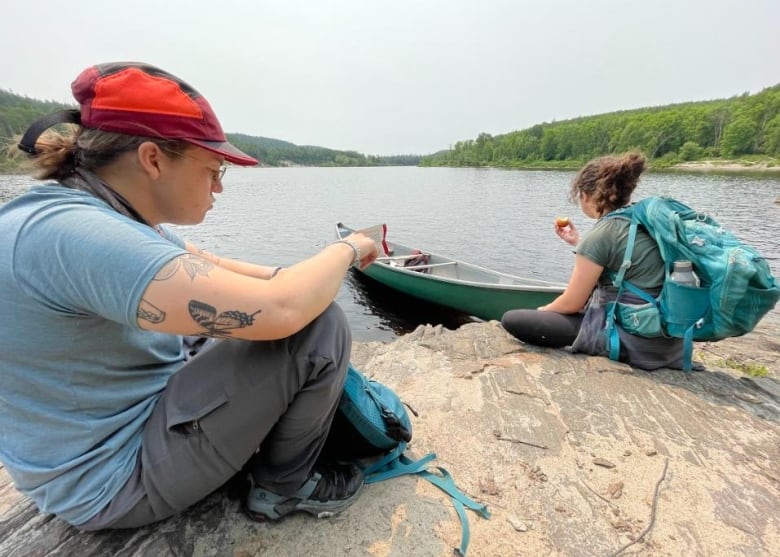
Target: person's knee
(332, 335)
(335, 317)
(506, 320)
(516, 320)
(333, 323)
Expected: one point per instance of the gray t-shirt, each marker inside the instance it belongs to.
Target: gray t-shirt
(605, 244)
(79, 377)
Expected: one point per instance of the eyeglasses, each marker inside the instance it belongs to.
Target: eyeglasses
(216, 175)
(219, 173)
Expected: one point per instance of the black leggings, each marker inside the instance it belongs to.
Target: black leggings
(542, 328)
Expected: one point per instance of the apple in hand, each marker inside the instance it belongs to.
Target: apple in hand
(562, 222)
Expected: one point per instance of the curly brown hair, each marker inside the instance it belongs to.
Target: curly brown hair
(609, 181)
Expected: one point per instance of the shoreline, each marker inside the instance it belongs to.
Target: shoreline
(760, 168)
(725, 166)
(703, 166)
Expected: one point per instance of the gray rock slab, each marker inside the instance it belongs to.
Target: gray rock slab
(574, 456)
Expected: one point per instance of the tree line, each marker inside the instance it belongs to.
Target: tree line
(17, 112)
(745, 126)
(274, 152)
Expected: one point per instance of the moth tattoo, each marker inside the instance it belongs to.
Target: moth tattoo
(219, 324)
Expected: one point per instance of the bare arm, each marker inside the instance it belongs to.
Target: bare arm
(193, 295)
(583, 280)
(235, 265)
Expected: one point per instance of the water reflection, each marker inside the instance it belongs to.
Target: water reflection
(397, 312)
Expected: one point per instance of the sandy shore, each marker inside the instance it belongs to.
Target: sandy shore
(727, 166)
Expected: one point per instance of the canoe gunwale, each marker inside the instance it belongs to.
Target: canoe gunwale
(527, 284)
(544, 287)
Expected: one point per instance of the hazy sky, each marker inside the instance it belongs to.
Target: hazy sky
(403, 76)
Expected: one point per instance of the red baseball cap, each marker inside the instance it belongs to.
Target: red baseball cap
(139, 99)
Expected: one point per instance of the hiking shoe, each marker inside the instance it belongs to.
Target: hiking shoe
(327, 492)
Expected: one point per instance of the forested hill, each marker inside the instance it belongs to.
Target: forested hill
(17, 112)
(745, 127)
(741, 127)
(274, 152)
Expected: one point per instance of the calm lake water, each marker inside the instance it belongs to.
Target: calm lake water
(501, 219)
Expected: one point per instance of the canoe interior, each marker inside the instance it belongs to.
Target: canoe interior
(462, 286)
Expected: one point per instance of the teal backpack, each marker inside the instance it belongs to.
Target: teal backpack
(737, 287)
(372, 428)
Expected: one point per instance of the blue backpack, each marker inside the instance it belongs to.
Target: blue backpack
(372, 428)
(737, 287)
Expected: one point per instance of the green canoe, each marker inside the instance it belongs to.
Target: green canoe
(454, 284)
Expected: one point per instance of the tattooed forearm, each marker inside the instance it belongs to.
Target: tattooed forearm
(149, 312)
(209, 256)
(192, 265)
(219, 324)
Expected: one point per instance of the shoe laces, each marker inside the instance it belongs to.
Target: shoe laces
(337, 482)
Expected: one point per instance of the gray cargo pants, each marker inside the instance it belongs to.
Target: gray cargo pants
(271, 402)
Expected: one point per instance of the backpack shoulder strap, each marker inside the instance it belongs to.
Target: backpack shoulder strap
(395, 464)
(398, 464)
(460, 501)
(618, 280)
(613, 339)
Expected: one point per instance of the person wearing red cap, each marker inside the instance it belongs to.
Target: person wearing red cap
(139, 372)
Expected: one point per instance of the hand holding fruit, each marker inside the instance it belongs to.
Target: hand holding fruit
(566, 230)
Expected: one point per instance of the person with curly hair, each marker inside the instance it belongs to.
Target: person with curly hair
(576, 318)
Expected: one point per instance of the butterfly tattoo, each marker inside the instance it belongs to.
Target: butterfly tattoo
(219, 324)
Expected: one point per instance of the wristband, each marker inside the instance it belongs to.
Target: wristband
(276, 271)
(355, 248)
